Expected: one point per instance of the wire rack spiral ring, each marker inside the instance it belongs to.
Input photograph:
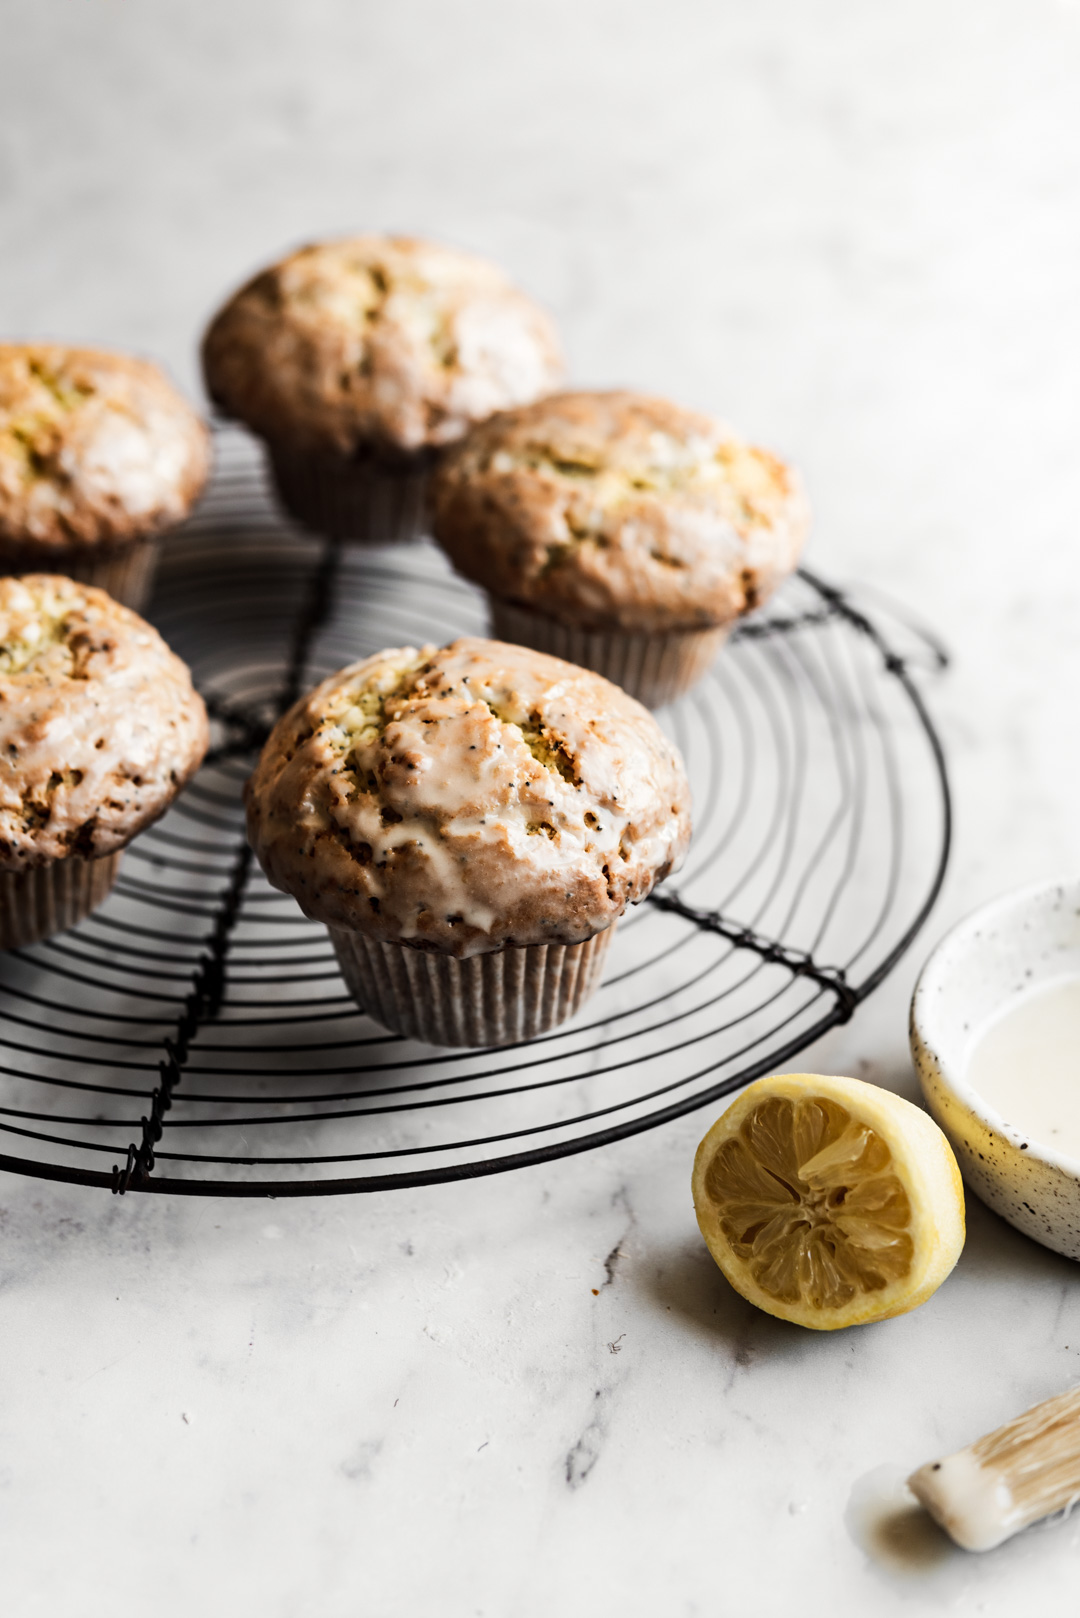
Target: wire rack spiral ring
(194, 1035)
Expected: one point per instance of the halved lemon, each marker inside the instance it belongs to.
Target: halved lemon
(828, 1201)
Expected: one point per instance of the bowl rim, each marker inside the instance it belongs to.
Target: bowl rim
(934, 979)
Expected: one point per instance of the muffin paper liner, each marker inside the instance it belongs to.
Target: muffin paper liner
(127, 573)
(653, 667)
(47, 899)
(496, 999)
(367, 501)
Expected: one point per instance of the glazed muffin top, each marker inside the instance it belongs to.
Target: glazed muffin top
(619, 511)
(468, 798)
(377, 341)
(99, 724)
(96, 449)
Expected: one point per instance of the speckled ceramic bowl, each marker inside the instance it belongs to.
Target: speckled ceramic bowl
(1024, 941)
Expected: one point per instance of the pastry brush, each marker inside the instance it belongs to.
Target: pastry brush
(1001, 1483)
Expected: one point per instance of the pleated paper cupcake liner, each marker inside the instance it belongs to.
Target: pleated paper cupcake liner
(126, 573)
(366, 501)
(497, 999)
(47, 899)
(653, 667)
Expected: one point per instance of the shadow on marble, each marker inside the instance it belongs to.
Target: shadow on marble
(995, 1252)
(683, 1280)
(911, 1556)
(888, 1523)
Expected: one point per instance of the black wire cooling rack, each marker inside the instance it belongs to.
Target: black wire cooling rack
(194, 1035)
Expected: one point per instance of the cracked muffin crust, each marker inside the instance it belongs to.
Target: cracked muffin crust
(617, 511)
(99, 724)
(379, 342)
(467, 799)
(97, 450)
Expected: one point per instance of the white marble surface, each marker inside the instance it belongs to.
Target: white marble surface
(854, 229)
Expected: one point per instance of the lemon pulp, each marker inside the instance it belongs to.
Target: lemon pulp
(807, 1200)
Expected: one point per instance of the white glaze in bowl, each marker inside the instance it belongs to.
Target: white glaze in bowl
(1021, 942)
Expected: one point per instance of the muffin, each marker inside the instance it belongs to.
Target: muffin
(99, 730)
(357, 361)
(469, 823)
(98, 456)
(618, 531)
